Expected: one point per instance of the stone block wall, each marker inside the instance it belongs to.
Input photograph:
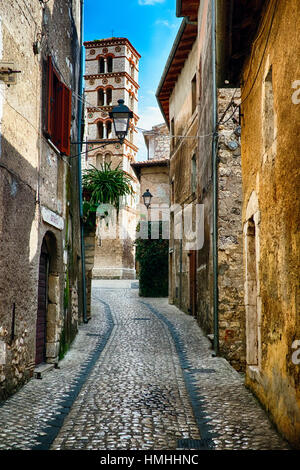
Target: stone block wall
(230, 236)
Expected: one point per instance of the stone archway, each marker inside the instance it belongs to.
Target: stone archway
(48, 324)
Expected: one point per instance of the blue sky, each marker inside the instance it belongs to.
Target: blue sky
(151, 27)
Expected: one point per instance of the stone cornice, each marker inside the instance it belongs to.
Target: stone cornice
(111, 42)
(112, 75)
(107, 109)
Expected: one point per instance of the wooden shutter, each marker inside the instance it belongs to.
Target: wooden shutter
(66, 97)
(49, 104)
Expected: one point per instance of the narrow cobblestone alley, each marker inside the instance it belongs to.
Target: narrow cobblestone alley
(139, 375)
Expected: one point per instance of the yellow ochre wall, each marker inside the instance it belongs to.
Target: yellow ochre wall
(274, 176)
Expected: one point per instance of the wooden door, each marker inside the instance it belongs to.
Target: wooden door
(193, 282)
(40, 349)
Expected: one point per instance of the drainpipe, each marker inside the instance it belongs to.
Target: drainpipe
(79, 149)
(215, 185)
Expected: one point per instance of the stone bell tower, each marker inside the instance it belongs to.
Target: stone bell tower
(111, 73)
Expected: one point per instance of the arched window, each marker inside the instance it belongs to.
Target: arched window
(99, 160)
(109, 64)
(107, 158)
(101, 65)
(132, 70)
(100, 130)
(100, 97)
(131, 100)
(109, 130)
(109, 96)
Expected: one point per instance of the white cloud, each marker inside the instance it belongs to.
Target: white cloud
(150, 2)
(165, 23)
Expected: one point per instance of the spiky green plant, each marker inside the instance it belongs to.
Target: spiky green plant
(105, 186)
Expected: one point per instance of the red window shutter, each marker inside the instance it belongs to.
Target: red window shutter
(66, 102)
(49, 114)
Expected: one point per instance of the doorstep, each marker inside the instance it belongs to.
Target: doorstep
(41, 370)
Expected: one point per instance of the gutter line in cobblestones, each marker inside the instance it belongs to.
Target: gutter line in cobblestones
(53, 427)
(201, 418)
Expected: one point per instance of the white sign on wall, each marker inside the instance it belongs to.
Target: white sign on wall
(2, 353)
(52, 218)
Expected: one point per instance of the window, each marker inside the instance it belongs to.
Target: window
(109, 130)
(194, 93)
(109, 64)
(269, 133)
(100, 130)
(100, 97)
(131, 98)
(132, 71)
(108, 96)
(193, 174)
(107, 158)
(101, 66)
(99, 160)
(58, 116)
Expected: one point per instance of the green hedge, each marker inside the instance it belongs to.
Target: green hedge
(152, 256)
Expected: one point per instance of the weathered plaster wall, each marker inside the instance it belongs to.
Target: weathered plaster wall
(272, 173)
(34, 177)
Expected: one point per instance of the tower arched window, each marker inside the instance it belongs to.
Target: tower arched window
(131, 100)
(131, 135)
(99, 160)
(109, 96)
(107, 158)
(100, 97)
(132, 70)
(100, 130)
(101, 65)
(109, 130)
(109, 64)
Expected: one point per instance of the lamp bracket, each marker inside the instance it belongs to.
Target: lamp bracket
(8, 73)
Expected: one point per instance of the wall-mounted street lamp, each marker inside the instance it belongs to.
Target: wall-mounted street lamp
(121, 116)
(147, 196)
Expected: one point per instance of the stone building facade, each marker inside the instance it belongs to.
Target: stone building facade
(263, 54)
(40, 280)
(186, 95)
(157, 142)
(153, 174)
(111, 73)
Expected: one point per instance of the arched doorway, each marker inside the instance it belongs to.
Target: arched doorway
(40, 347)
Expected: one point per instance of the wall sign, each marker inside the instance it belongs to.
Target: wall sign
(52, 218)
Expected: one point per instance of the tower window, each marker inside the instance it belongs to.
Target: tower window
(101, 65)
(100, 98)
(109, 96)
(109, 130)
(100, 130)
(109, 64)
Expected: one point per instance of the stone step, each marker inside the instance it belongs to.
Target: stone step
(41, 370)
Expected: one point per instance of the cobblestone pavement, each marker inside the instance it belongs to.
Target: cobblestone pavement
(139, 375)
